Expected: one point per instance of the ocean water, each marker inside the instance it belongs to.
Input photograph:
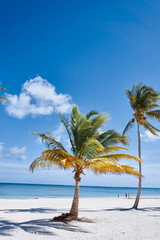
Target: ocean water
(17, 190)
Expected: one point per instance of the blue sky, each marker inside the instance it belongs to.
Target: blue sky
(56, 53)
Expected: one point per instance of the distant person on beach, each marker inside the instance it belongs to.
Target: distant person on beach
(126, 195)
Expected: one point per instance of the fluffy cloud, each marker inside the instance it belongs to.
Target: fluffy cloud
(149, 137)
(37, 97)
(14, 152)
(60, 133)
(19, 152)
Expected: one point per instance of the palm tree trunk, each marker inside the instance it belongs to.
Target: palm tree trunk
(75, 203)
(135, 206)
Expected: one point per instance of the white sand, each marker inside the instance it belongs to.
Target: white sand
(111, 219)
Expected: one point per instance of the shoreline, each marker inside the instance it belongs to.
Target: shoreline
(72, 185)
(71, 197)
(27, 191)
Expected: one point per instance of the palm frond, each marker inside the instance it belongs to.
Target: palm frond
(103, 167)
(128, 127)
(112, 149)
(56, 158)
(41, 162)
(111, 137)
(155, 114)
(98, 122)
(50, 141)
(153, 105)
(83, 128)
(66, 124)
(56, 153)
(151, 128)
(91, 113)
(62, 159)
(149, 97)
(131, 96)
(119, 156)
(3, 97)
(91, 148)
(80, 127)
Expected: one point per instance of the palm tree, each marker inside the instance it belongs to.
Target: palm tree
(143, 100)
(91, 150)
(3, 97)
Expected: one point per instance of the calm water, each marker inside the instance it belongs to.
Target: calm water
(16, 190)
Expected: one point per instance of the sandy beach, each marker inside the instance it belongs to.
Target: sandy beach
(103, 218)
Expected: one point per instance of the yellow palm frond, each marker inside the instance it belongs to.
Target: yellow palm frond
(114, 169)
(56, 153)
(41, 162)
(118, 157)
(112, 149)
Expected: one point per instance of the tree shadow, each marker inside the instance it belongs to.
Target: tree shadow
(31, 210)
(148, 209)
(118, 209)
(39, 226)
(90, 210)
(6, 229)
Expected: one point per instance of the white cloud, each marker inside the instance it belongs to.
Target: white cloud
(19, 152)
(37, 97)
(149, 137)
(59, 133)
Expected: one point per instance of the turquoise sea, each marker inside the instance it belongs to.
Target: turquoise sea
(19, 190)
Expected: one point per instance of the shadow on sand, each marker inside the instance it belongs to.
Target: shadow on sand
(32, 210)
(148, 209)
(118, 209)
(39, 226)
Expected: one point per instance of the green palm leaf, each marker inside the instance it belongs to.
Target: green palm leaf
(49, 141)
(151, 128)
(66, 124)
(91, 113)
(154, 114)
(128, 127)
(111, 137)
(91, 149)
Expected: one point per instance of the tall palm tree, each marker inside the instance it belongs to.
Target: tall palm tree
(3, 97)
(144, 101)
(91, 150)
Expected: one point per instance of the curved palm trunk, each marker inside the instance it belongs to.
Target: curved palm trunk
(75, 203)
(135, 206)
